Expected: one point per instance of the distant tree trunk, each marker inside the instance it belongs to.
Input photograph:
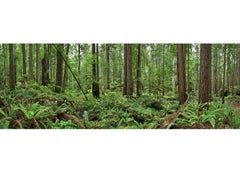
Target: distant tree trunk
(45, 67)
(4, 73)
(95, 85)
(12, 68)
(120, 65)
(50, 61)
(189, 88)
(173, 74)
(139, 86)
(128, 80)
(107, 69)
(224, 74)
(79, 58)
(205, 73)
(181, 73)
(65, 77)
(24, 64)
(31, 76)
(216, 68)
(97, 64)
(38, 63)
(59, 71)
(163, 71)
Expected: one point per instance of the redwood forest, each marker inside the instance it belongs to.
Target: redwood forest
(119, 86)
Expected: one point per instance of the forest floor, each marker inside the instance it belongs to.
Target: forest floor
(38, 107)
(235, 104)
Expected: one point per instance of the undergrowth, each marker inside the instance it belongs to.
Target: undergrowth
(36, 106)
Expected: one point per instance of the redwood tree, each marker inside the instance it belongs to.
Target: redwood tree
(182, 96)
(128, 79)
(37, 63)
(205, 73)
(45, 67)
(107, 69)
(30, 62)
(95, 84)
(24, 64)
(12, 67)
(59, 71)
(139, 70)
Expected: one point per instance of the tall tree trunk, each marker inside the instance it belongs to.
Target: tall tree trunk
(31, 76)
(50, 61)
(79, 58)
(205, 73)
(97, 64)
(224, 74)
(45, 66)
(163, 71)
(107, 69)
(38, 63)
(128, 79)
(189, 88)
(65, 77)
(4, 73)
(216, 68)
(95, 85)
(181, 74)
(139, 70)
(59, 71)
(12, 67)
(24, 64)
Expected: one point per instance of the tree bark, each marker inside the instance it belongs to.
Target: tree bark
(128, 80)
(12, 68)
(4, 73)
(205, 73)
(163, 71)
(45, 67)
(139, 86)
(107, 69)
(59, 71)
(95, 85)
(79, 58)
(65, 77)
(38, 63)
(31, 76)
(224, 73)
(182, 96)
(24, 64)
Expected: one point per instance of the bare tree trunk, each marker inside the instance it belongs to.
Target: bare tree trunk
(128, 85)
(216, 67)
(107, 70)
(45, 66)
(224, 74)
(24, 62)
(38, 63)
(205, 73)
(65, 77)
(139, 71)
(59, 72)
(51, 64)
(4, 65)
(163, 71)
(31, 76)
(12, 67)
(95, 85)
(181, 74)
(79, 58)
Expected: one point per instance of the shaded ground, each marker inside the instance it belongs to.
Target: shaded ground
(234, 104)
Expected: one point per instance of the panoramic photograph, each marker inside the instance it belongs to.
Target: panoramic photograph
(119, 86)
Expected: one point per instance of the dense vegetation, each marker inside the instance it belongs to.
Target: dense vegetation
(132, 86)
